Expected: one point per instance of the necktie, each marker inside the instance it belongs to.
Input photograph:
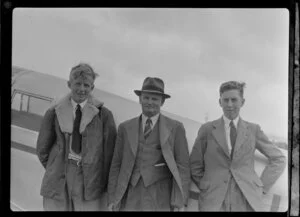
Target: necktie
(76, 137)
(147, 129)
(232, 136)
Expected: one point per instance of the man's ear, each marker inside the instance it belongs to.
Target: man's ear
(243, 101)
(220, 102)
(92, 86)
(162, 101)
(69, 84)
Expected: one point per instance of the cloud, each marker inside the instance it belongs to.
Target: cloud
(170, 41)
(192, 50)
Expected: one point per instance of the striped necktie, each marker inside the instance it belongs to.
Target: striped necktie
(147, 129)
(76, 137)
(232, 136)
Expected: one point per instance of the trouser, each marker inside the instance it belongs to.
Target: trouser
(156, 197)
(235, 200)
(74, 200)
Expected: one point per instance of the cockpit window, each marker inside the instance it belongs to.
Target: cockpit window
(24, 102)
(38, 106)
(16, 102)
(30, 103)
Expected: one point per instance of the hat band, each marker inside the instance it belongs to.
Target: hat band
(152, 88)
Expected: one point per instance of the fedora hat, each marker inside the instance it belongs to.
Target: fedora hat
(153, 85)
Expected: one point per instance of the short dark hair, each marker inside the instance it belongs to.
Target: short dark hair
(82, 69)
(233, 85)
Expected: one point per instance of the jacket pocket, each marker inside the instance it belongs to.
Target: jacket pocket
(53, 153)
(204, 185)
(160, 164)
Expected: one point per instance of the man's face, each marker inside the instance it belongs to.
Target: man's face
(81, 88)
(151, 103)
(231, 102)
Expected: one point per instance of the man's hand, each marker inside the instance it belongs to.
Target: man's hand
(176, 209)
(110, 207)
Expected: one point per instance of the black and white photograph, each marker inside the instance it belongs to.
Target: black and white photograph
(150, 109)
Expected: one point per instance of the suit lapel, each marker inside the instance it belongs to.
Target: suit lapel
(242, 134)
(132, 130)
(219, 134)
(64, 113)
(88, 113)
(165, 130)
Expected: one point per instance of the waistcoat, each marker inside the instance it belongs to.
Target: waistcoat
(148, 155)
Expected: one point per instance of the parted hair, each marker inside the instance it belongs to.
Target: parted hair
(233, 85)
(82, 70)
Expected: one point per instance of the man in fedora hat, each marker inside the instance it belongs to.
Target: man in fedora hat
(150, 166)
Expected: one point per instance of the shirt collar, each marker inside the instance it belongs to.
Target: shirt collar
(74, 104)
(227, 121)
(153, 119)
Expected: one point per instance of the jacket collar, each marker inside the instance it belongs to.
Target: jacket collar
(243, 133)
(219, 134)
(133, 128)
(64, 112)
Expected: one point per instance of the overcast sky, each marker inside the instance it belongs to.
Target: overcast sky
(192, 50)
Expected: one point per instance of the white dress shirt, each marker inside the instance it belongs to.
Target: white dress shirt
(74, 105)
(153, 119)
(227, 130)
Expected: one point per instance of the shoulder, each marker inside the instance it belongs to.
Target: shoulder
(48, 118)
(106, 116)
(172, 122)
(104, 110)
(129, 122)
(251, 125)
(208, 127)
(210, 124)
(50, 112)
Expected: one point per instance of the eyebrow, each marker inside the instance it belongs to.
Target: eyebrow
(230, 97)
(153, 97)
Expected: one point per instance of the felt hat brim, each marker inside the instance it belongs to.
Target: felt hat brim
(139, 92)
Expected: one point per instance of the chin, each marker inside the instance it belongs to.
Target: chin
(150, 114)
(79, 100)
(233, 117)
(230, 117)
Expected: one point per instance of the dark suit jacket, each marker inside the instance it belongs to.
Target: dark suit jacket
(211, 165)
(175, 152)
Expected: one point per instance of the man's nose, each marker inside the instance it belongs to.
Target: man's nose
(229, 103)
(82, 88)
(150, 101)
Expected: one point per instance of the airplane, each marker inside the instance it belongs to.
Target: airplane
(32, 93)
